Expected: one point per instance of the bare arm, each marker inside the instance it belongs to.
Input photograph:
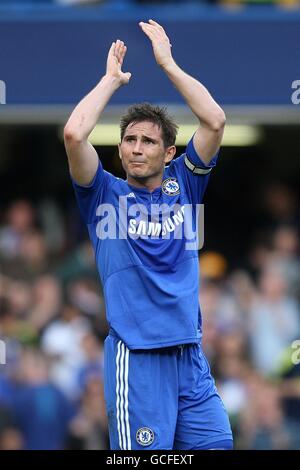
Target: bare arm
(208, 136)
(82, 157)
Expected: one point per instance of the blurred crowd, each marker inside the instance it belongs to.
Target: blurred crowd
(251, 327)
(52, 328)
(52, 323)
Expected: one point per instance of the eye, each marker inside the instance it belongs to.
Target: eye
(129, 139)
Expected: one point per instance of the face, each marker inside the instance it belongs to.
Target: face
(143, 153)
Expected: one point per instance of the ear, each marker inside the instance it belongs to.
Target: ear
(119, 148)
(169, 154)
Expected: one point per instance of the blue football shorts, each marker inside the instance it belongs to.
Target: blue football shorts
(162, 399)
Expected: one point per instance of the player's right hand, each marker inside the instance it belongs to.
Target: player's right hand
(115, 59)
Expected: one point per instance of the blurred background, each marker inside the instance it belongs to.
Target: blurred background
(52, 314)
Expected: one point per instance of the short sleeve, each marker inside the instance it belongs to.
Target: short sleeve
(194, 173)
(89, 197)
(194, 163)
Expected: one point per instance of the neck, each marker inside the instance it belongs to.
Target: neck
(148, 183)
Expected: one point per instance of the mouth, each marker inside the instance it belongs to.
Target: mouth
(137, 163)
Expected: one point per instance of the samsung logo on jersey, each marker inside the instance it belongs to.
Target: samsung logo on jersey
(155, 221)
(155, 229)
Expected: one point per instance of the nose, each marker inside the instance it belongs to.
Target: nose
(137, 147)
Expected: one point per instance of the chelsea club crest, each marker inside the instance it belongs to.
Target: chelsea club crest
(145, 436)
(170, 187)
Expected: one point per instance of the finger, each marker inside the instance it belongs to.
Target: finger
(156, 24)
(119, 49)
(144, 29)
(155, 31)
(147, 30)
(122, 55)
(118, 45)
(149, 26)
(159, 29)
(112, 49)
(123, 49)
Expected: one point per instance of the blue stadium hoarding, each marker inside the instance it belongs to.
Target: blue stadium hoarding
(52, 56)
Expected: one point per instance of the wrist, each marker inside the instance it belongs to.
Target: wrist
(111, 80)
(168, 65)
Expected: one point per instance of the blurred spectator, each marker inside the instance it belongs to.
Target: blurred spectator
(9, 332)
(52, 223)
(279, 206)
(33, 253)
(42, 412)
(11, 439)
(79, 264)
(212, 265)
(285, 251)
(46, 302)
(88, 429)
(289, 379)
(231, 373)
(93, 361)
(274, 320)
(6, 392)
(18, 294)
(19, 220)
(263, 424)
(85, 294)
(24, 252)
(62, 340)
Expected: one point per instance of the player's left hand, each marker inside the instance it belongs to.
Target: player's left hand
(160, 42)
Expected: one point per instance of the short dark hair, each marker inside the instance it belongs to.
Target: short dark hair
(156, 114)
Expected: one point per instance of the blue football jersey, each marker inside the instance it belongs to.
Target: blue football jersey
(145, 252)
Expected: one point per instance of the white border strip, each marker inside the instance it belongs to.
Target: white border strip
(122, 372)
